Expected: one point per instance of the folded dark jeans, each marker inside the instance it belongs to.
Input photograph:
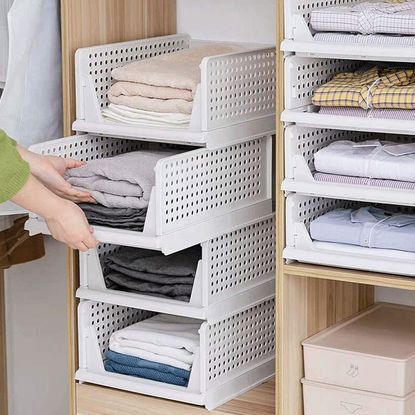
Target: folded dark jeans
(130, 219)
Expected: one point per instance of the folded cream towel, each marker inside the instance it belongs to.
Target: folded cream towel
(179, 70)
(152, 104)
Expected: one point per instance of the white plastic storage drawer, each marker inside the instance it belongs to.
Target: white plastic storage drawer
(373, 351)
(234, 102)
(301, 143)
(236, 353)
(322, 399)
(236, 270)
(301, 210)
(300, 37)
(198, 195)
(304, 75)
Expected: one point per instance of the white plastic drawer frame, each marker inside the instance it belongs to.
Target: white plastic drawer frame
(236, 353)
(304, 75)
(198, 195)
(301, 210)
(234, 102)
(236, 270)
(301, 143)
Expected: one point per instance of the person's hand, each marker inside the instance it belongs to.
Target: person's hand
(66, 221)
(69, 225)
(50, 170)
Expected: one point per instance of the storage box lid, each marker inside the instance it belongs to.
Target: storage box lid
(385, 330)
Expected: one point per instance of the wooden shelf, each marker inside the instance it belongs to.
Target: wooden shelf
(352, 276)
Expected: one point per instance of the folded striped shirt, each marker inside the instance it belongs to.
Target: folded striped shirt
(375, 40)
(363, 181)
(389, 88)
(390, 114)
(367, 17)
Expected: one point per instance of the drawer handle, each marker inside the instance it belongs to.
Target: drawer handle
(351, 408)
(353, 371)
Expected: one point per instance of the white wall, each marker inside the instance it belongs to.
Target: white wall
(233, 20)
(390, 295)
(37, 342)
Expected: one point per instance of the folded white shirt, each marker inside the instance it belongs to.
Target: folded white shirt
(132, 116)
(373, 159)
(171, 340)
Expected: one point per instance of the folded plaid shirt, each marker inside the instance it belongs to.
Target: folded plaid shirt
(367, 17)
(390, 88)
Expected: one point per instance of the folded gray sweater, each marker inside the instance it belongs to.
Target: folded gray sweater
(123, 181)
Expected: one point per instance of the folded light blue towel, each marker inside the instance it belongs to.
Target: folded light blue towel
(134, 366)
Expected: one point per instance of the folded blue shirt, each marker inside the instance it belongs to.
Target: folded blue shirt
(369, 227)
(134, 366)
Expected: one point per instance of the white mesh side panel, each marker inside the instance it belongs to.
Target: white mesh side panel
(308, 208)
(305, 142)
(239, 87)
(303, 7)
(240, 258)
(304, 75)
(196, 185)
(108, 318)
(101, 60)
(105, 249)
(240, 342)
(87, 147)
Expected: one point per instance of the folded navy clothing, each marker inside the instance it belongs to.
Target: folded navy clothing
(134, 366)
(130, 219)
(152, 273)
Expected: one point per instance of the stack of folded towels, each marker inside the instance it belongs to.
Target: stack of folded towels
(159, 91)
(377, 22)
(370, 163)
(161, 348)
(368, 227)
(120, 185)
(376, 92)
(148, 272)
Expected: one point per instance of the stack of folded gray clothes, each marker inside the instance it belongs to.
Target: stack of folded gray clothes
(129, 219)
(121, 186)
(151, 273)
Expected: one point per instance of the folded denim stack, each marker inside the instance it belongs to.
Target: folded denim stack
(368, 163)
(148, 272)
(121, 186)
(159, 91)
(161, 348)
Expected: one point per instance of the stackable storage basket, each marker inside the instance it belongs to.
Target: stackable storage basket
(304, 75)
(199, 194)
(386, 367)
(236, 353)
(235, 100)
(301, 143)
(236, 270)
(300, 37)
(301, 210)
(323, 399)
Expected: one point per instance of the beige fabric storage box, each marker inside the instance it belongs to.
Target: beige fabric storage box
(321, 399)
(373, 351)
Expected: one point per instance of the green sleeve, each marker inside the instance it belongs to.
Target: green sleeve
(14, 171)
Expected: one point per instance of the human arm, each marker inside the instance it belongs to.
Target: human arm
(50, 170)
(66, 221)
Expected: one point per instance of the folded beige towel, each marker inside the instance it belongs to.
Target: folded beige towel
(152, 104)
(131, 89)
(180, 70)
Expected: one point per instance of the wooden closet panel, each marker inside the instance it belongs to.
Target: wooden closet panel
(95, 400)
(309, 305)
(93, 22)
(3, 355)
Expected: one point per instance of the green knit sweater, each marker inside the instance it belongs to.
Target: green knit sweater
(14, 171)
